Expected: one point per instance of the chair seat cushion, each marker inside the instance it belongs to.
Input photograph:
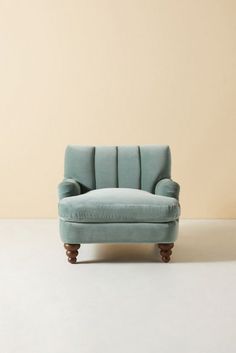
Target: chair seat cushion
(118, 205)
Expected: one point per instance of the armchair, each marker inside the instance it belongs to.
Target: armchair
(118, 194)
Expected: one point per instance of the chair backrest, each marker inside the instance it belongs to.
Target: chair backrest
(137, 167)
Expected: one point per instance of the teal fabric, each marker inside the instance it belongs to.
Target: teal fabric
(67, 188)
(79, 165)
(106, 167)
(167, 187)
(155, 165)
(138, 167)
(79, 233)
(114, 205)
(118, 194)
(129, 168)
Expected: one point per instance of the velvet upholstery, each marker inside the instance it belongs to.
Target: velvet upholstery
(167, 187)
(80, 233)
(68, 187)
(115, 205)
(129, 167)
(105, 161)
(118, 194)
(138, 167)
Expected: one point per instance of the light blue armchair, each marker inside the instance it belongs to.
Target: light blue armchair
(118, 194)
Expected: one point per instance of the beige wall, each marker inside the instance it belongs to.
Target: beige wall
(118, 72)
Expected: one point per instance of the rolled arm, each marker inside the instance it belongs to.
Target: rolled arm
(68, 187)
(167, 187)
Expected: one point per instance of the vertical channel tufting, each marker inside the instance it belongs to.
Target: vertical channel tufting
(118, 166)
(140, 167)
(156, 165)
(94, 171)
(79, 165)
(128, 167)
(106, 167)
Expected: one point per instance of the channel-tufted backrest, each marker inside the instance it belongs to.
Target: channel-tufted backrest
(137, 167)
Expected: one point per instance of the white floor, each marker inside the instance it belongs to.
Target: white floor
(119, 298)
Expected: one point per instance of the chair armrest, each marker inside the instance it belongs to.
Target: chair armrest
(167, 187)
(68, 187)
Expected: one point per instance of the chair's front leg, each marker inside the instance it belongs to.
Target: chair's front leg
(72, 252)
(166, 251)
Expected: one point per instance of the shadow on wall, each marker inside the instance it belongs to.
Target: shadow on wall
(199, 241)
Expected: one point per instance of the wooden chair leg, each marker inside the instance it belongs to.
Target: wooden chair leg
(72, 252)
(166, 251)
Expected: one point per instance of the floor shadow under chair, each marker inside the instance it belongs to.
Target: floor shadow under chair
(198, 242)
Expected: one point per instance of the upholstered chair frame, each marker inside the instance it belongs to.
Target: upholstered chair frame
(93, 173)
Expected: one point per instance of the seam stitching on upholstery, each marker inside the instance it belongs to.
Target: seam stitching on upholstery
(94, 168)
(140, 168)
(117, 166)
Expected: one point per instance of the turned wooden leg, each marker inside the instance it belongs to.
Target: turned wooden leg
(166, 251)
(72, 252)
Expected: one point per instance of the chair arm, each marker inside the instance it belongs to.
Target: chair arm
(68, 187)
(167, 187)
